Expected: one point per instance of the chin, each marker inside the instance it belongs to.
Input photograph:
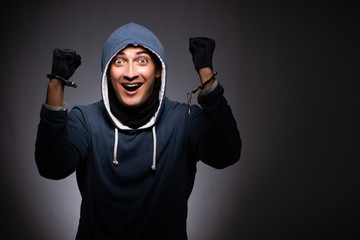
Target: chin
(132, 104)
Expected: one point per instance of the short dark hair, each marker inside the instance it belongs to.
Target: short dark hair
(154, 57)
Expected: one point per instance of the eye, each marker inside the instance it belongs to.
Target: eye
(143, 60)
(118, 61)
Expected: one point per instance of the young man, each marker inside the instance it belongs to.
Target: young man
(135, 151)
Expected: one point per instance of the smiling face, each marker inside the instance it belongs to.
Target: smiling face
(132, 73)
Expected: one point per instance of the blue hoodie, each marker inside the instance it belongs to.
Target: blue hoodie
(144, 195)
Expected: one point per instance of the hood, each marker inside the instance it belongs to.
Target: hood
(137, 35)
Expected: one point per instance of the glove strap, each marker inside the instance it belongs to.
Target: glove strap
(66, 82)
(201, 87)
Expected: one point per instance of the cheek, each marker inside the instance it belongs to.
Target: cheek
(113, 73)
(113, 80)
(145, 73)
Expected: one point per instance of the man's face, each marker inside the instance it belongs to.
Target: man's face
(132, 74)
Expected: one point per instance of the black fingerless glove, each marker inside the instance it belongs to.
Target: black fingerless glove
(202, 49)
(65, 62)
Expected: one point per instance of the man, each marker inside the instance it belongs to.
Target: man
(135, 151)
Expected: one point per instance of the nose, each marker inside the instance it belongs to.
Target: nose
(131, 72)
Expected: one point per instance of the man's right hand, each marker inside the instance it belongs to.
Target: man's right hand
(65, 62)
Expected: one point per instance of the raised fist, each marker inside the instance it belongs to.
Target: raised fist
(202, 49)
(65, 62)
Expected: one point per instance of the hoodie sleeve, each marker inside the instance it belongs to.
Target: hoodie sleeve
(56, 154)
(214, 134)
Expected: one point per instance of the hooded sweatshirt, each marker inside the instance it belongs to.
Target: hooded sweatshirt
(135, 183)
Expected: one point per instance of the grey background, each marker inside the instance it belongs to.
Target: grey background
(290, 74)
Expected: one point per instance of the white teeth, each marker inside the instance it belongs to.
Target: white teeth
(132, 85)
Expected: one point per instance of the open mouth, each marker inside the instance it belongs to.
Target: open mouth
(131, 87)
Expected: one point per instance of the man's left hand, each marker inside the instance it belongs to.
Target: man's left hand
(202, 49)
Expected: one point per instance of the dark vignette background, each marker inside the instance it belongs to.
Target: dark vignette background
(290, 73)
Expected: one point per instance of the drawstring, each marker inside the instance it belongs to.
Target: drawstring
(115, 161)
(153, 167)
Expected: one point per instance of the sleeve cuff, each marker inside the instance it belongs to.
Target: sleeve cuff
(56, 108)
(207, 91)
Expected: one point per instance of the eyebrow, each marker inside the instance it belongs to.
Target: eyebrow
(137, 53)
